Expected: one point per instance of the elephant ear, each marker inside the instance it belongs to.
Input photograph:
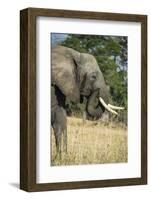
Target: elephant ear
(64, 71)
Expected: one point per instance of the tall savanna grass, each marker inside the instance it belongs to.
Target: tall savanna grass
(92, 143)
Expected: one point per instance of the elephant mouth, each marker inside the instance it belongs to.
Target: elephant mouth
(96, 106)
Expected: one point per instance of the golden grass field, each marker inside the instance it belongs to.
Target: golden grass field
(92, 143)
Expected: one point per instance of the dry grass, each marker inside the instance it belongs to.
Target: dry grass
(93, 143)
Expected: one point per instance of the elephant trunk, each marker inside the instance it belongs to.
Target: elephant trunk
(94, 108)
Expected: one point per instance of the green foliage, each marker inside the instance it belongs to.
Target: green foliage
(111, 55)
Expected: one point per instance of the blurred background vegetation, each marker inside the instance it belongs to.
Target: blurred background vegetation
(111, 55)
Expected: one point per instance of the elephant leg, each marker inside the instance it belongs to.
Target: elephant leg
(65, 140)
(58, 138)
(84, 117)
(63, 125)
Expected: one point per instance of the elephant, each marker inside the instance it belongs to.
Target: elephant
(77, 76)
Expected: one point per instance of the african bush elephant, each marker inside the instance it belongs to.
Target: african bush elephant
(78, 75)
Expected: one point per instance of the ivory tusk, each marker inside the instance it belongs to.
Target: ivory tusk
(115, 107)
(107, 107)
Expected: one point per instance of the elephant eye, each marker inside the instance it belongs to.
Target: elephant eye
(93, 77)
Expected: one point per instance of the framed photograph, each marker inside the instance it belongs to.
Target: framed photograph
(83, 99)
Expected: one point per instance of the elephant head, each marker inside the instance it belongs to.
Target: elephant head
(78, 74)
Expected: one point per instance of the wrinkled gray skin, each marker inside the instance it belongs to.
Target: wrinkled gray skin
(77, 75)
(94, 107)
(58, 120)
